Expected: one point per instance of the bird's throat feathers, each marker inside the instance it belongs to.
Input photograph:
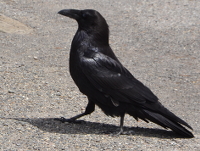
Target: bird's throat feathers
(99, 37)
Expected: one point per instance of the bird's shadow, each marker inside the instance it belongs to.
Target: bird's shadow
(86, 127)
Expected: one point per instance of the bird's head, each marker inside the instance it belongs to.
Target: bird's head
(88, 20)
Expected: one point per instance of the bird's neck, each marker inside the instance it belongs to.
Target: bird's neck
(95, 38)
(101, 38)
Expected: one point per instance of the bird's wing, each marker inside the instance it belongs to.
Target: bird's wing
(111, 78)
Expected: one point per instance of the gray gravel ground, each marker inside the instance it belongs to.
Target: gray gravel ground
(158, 41)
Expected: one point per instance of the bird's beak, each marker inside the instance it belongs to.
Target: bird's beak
(72, 13)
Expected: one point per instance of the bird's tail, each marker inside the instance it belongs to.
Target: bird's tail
(166, 119)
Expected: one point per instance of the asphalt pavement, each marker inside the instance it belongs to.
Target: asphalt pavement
(158, 41)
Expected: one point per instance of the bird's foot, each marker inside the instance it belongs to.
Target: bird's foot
(121, 132)
(70, 120)
(113, 132)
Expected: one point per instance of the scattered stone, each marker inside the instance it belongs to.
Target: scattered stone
(11, 91)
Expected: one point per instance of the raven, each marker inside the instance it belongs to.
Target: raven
(106, 82)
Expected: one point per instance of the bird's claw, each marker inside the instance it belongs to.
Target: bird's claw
(121, 132)
(63, 120)
(70, 120)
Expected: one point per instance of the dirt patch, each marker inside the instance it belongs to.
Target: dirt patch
(9, 25)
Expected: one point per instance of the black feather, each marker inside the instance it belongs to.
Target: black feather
(107, 83)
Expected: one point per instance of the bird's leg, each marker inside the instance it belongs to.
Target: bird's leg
(121, 125)
(89, 109)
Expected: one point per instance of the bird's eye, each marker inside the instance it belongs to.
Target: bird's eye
(84, 15)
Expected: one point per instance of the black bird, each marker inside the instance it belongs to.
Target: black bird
(106, 82)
